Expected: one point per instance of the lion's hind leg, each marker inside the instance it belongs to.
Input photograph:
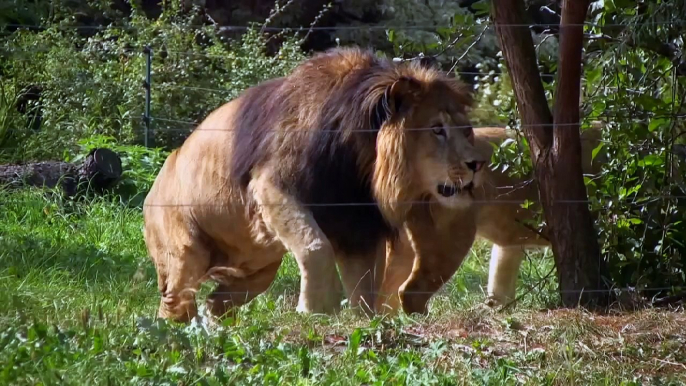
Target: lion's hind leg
(236, 289)
(179, 275)
(502, 273)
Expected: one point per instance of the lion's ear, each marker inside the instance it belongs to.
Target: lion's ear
(402, 94)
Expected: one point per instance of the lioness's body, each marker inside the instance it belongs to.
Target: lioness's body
(502, 222)
(320, 163)
(499, 218)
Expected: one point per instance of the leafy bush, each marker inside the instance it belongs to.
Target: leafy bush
(9, 97)
(94, 85)
(638, 92)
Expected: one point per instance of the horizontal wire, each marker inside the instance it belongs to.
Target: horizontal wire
(677, 22)
(204, 54)
(493, 201)
(294, 291)
(616, 119)
(470, 202)
(444, 289)
(497, 125)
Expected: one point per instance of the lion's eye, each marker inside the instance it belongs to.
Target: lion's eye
(438, 130)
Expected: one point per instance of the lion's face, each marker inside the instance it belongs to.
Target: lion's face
(426, 148)
(441, 141)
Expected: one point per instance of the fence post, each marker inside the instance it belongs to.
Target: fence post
(148, 138)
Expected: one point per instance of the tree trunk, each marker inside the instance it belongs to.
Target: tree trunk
(99, 171)
(556, 150)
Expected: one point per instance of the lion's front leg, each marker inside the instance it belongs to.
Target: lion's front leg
(399, 263)
(295, 227)
(439, 252)
(362, 276)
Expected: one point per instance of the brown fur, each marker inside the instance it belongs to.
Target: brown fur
(319, 163)
(497, 218)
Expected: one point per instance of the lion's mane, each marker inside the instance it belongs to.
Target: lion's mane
(320, 127)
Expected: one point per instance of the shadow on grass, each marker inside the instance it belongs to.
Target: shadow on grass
(26, 254)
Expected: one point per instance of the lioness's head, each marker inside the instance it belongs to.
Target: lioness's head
(425, 149)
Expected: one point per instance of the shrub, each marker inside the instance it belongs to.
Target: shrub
(94, 85)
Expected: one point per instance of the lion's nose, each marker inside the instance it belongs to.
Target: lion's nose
(475, 166)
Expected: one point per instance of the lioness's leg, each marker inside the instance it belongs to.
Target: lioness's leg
(226, 297)
(503, 272)
(439, 253)
(430, 272)
(362, 276)
(399, 263)
(295, 227)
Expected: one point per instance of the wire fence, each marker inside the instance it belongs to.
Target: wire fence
(361, 26)
(149, 119)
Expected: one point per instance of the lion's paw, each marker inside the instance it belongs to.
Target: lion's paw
(496, 301)
(491, 302)
(318, 304)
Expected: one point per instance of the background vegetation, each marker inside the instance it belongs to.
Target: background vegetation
(75, 275)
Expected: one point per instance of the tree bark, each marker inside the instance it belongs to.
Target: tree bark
(556, 149)
(100, 169)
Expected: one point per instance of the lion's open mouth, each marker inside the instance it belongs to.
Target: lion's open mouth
(449, 190)
(446, 190)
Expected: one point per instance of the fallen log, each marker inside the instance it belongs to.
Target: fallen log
(99, 171)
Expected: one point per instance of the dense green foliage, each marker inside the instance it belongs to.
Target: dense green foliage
(94, 85)
(640, 91)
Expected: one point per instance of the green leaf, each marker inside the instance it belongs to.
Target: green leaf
(390, 34)
(481, 7)
(507, 142)
(624, 3)
(304, 355)
(526, 204)
(445, 32)
(648, 102)
(651, 160)
(597, 108)
(354, 341)
(596, 151)
(655, 123)
(593, 75)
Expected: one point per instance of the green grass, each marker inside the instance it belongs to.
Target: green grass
(78, 297)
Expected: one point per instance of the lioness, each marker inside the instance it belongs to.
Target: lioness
(328, 162)
(499, 218)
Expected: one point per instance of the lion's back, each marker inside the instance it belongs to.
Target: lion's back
(190, 189)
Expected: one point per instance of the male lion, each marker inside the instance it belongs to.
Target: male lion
(499, 219)
(327, 162)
